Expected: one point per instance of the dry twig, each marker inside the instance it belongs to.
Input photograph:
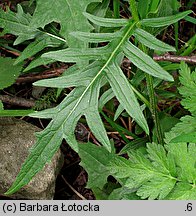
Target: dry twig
(44, 75)
(17, 101)
(76, 192)
(170, 58)
(173, 58)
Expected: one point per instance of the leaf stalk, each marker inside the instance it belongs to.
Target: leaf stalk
(149, 80)
(116, 8)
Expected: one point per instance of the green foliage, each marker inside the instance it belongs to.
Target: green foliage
(165, 172)
(69, 15)
(89, 153)
(160, 174)
(163, 21)
(8, 72)
(188, 89)
(19, 24)
(1, 105)
(150, 41)
(155, 174)
(185, 131)
(123, 193)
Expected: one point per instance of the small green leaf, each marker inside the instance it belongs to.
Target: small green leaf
(106, 22)
(93, 118)
(161, 161)
(186, 125)
(143, 7)
(144, 62)
(95, 160)
(120, 167)
(19, 24)
(152, 42)
(185, 160)
(8, 72)
(99, 9)
(97, 127)
(164, 21)
(190, 19)
(161, 174)
(154, 6)
(68, 14)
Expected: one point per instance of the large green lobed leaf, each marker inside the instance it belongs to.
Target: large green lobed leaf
(83, 100)
(69, 13)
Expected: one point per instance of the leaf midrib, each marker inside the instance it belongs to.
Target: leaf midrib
(101, 70)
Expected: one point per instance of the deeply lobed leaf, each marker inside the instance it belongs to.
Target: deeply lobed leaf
(17, 24)
(83, 100)
(153, 176)
(188, 88)
(68, 13)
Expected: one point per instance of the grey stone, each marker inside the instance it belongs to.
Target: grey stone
(16, 138)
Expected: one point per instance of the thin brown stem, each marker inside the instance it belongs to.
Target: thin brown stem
(73, 189)
(44, 75)
(170, 58)
(173, 58)
(17, 101)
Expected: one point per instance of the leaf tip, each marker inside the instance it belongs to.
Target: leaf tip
(170, 78)
(45, 55)
(11, 190)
